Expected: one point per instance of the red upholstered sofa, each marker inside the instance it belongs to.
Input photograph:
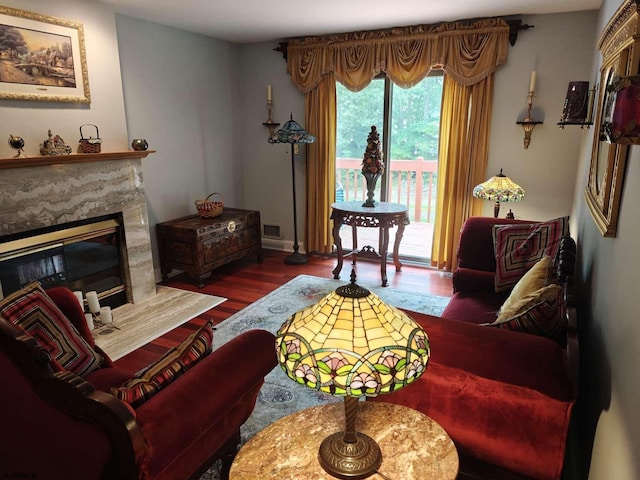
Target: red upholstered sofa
(61, 426)
(504, 397)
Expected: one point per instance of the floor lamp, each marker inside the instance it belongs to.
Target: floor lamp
(291, 132)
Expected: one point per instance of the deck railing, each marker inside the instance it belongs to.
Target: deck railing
(410, 182)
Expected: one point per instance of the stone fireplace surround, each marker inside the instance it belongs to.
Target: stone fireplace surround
(43, 191)
(38, 192)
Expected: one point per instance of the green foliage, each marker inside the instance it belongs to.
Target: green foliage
(415, 119)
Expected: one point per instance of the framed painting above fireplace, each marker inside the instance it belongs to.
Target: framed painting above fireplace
(43, 58)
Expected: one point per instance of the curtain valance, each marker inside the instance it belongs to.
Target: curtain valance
(467, 51)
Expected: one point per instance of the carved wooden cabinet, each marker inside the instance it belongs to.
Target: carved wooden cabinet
(198, 245)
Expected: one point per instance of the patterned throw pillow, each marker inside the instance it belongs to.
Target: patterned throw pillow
(539, 313)
(518, 247)
(171, 365)
(17, 332)
(32, 309)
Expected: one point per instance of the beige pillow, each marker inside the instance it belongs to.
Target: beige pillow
(547, 293)
(539, 313)
(537, 277)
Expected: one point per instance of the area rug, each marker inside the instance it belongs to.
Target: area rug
(279, 395)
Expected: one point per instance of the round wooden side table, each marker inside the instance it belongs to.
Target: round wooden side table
(383, 216)
(413, 445)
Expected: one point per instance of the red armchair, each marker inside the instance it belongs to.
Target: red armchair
(58, 425)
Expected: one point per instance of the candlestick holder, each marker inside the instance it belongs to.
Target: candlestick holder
(528, 123)
(270, 124)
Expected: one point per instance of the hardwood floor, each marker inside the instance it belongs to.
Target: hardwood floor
(245, 281)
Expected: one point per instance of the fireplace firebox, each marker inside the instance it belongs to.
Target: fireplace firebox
(85, 255)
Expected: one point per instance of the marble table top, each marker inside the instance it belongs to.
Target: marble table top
(413, 445)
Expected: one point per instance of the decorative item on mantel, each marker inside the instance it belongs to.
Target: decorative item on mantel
(139, 144)
(372, 165)
(54, 146)
(528, 123)
(499, 188)
(270, 124)
(90, 144)
(17, 143)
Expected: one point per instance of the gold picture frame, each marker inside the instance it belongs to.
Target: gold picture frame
(47, 60)
(620, 55)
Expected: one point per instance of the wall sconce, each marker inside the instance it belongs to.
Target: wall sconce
(528, 123)
(270, 124)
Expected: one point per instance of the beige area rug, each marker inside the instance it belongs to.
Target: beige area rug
(142, 322)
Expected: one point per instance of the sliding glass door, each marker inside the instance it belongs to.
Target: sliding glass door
(408, 121)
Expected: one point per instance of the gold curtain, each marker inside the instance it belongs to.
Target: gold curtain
(468, 52)
(320, 119)
(464, 144)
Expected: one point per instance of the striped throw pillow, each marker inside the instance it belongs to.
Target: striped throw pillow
(518, 247)
(33, 310)
(150, 380)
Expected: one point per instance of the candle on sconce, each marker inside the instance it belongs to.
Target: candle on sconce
(80, 298)
(106, 315)
(93, 302)
(532, 83)
(269, 93)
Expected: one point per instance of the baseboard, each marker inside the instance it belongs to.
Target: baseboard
(281, 245)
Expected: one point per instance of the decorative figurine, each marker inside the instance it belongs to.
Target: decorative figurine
(17, 143)
(54, 146)
(139, 144)
(372, 165)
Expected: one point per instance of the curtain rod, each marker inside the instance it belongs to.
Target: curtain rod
(515, 26)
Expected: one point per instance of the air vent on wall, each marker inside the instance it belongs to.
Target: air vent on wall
(271, 231)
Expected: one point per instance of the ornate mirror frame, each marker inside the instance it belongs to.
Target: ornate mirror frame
(620, 57)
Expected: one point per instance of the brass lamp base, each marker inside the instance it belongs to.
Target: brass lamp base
(350, 460)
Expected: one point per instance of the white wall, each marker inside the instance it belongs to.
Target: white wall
(608, 413)
(31, 120)
(181, 93)
(267, 167)
(559, 48)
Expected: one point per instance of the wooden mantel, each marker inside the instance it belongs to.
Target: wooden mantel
(42, 160)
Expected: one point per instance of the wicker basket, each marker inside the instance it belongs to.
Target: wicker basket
(210, 208)
(91, 144)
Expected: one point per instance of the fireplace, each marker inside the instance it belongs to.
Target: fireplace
(41, 195)
(84, 255)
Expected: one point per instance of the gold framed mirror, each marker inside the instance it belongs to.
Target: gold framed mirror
(620, 57)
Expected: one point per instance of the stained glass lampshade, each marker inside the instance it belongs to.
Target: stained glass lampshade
(292, 132)
(499, 188)
(352, 344)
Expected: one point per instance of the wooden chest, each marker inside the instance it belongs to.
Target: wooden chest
(198, 245)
